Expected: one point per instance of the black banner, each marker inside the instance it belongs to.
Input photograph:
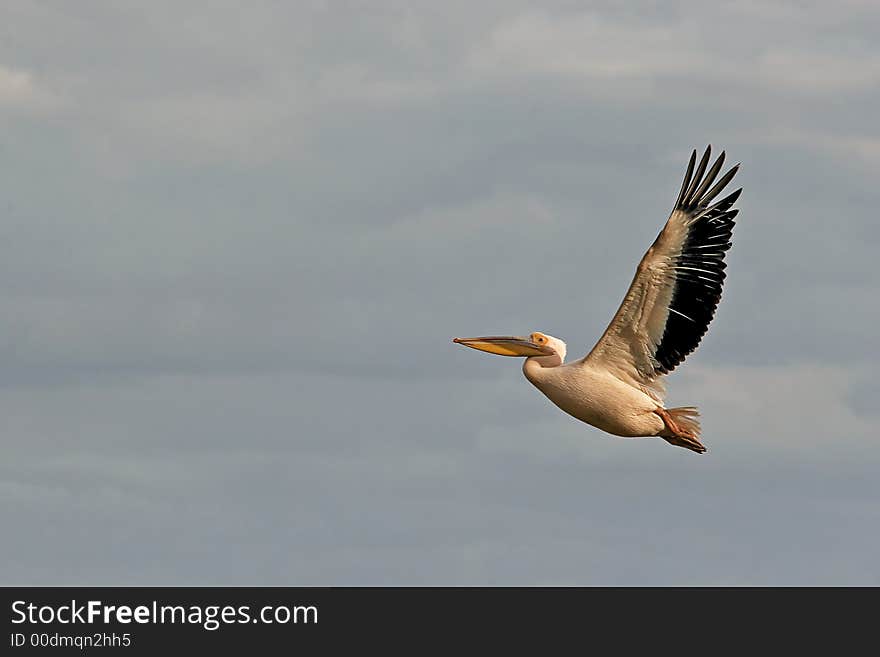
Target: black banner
(150, 620)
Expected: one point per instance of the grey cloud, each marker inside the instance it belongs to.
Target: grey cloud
(236, 244)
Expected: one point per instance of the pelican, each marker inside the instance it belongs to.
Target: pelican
(618, 387)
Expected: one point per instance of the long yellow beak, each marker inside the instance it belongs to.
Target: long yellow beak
(506, 346)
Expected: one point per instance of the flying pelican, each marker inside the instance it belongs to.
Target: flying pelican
(618, 386)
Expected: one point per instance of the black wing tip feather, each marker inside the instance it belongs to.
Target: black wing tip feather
(695, 193)
(700, 265)
(687, 177)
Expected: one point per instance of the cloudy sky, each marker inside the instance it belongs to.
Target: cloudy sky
(237, 239)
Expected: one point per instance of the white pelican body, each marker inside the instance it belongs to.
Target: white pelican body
(618, 386)
(596, 397)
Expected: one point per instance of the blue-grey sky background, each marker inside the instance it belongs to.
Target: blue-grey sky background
(238, 237)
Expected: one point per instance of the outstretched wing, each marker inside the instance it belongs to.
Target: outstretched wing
(677, 285)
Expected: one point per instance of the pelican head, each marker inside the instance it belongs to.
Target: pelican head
(537, 344)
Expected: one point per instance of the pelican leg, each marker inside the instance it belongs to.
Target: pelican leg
(678, 436)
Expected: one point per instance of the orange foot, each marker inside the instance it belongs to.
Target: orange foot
(679, 436)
